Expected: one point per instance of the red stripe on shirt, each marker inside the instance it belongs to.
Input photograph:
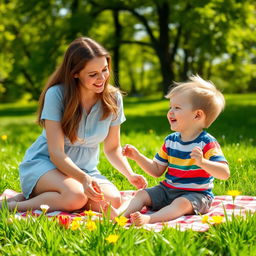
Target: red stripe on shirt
(164, 148)
(190, 189)
(210, 145)
(189, 173)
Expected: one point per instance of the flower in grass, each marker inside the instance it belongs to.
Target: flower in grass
(151, 131)
(112, 238)
(239, 160)
(44, 208)
(91, 225)
(205, 219)
(75, 225)
(233, 193)
(217, 219)
(121, 221)
(77, 218)
(10, 220)
(64, 220)
(4, 137)
(90, 213)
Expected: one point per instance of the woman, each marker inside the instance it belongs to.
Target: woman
(78, 110)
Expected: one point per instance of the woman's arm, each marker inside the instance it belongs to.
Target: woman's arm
(113, 152)
(55, 140)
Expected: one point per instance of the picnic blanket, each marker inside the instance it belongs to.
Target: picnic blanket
(222, 206)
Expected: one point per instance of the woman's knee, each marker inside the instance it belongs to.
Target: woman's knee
(74, 200)
(116, 201)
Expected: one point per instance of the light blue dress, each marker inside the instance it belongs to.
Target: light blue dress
(84, 154)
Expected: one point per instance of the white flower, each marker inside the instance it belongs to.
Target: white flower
(44, 207)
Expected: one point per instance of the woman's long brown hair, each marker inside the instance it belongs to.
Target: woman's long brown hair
(79, 52)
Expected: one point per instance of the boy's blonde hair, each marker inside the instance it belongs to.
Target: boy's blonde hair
(203, 94)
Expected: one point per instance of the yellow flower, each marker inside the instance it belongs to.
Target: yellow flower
(4, 137)
(75, 225)
(234, 193)
(217, 219)
(44, 207)
(205, 219)
(90, 213)
(91, 225)
(78, 219)
(112, 238)
(121, 221)
(239, 160)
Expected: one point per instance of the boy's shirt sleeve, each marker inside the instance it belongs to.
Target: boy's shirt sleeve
(162, 156)
(212, 151)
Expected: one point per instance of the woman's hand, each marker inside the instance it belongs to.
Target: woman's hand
(138, 181)
(92, 189)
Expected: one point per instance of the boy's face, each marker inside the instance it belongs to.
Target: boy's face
(181, 115)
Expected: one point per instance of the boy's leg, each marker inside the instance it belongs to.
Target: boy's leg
(179, 207)
(140, 200)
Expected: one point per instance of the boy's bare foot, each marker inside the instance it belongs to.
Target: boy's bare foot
(108, 209)
(139, 219)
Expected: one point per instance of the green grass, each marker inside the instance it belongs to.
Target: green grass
(146, 127)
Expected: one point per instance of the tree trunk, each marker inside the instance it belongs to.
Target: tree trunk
(163, 50)
(116, 48)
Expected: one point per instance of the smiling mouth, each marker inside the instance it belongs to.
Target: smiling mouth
(99, 85)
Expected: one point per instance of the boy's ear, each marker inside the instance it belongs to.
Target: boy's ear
(199, 114)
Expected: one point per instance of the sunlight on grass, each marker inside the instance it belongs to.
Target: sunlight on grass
(146, 127)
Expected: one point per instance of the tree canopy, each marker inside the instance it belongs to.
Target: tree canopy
(152, 42)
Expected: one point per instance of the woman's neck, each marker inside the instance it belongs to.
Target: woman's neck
(88, 99)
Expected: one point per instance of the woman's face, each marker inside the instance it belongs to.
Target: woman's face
(94, 75)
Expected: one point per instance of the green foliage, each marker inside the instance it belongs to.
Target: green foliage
(213, 38)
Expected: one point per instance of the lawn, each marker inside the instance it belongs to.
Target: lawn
(146, 127)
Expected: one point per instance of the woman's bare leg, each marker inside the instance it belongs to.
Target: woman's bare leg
(179, 207)
(57, 191)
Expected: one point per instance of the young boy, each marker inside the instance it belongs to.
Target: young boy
(192, 157)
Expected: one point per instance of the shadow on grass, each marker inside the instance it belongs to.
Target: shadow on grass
(18, 111)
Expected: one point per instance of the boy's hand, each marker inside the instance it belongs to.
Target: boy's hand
(197, 154)
(130, 151)
(138, 181)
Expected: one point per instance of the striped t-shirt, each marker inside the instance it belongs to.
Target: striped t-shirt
(182, 173)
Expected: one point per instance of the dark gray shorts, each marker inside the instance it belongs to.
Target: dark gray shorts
(162, 196)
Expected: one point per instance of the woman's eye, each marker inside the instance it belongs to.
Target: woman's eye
(92, 75)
